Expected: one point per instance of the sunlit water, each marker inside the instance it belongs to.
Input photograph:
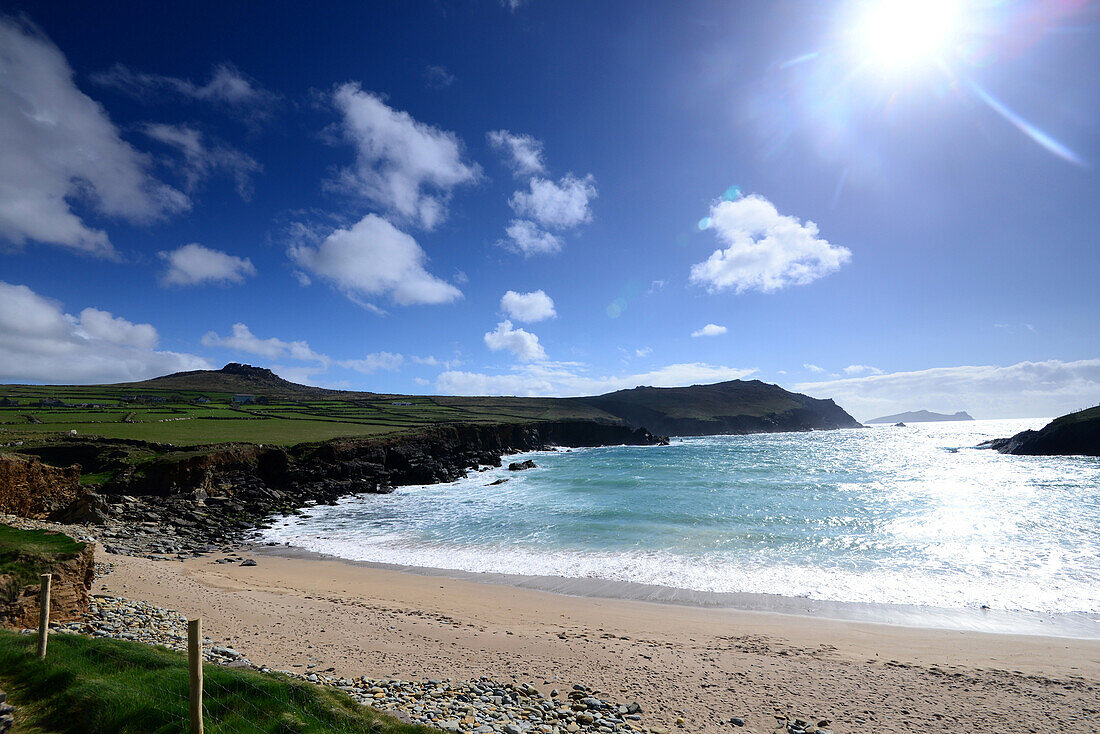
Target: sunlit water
(882, 515)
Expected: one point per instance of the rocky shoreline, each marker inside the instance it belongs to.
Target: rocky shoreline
(210, 501)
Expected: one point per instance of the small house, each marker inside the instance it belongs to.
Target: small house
(400, 402)
(241, 399)
(202, 401)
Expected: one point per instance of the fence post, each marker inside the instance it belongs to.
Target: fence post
(194, 662)
(44, 615)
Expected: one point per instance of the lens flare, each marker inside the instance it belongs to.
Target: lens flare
(1040, 137)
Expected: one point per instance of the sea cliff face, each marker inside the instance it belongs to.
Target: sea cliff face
(203, 497)
(440, 454)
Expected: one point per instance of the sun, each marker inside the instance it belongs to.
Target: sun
(902, 35)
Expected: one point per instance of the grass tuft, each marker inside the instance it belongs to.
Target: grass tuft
(117, 687)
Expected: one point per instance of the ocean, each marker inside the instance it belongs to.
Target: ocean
(882, 523)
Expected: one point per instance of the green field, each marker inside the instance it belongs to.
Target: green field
(192, 418)
(116, 687)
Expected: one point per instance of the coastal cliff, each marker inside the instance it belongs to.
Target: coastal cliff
(30, 488)
(1076, 434)
(188, 500)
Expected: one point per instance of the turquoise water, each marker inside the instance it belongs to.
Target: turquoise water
(881, 515)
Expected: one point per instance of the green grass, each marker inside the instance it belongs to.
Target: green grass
(197, 432)
(1089, 414)
(117, 687)
(25, 554)
(283, 422)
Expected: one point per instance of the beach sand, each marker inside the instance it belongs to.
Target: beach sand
(705, 665)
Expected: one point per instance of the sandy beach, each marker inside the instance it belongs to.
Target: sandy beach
(701, 665)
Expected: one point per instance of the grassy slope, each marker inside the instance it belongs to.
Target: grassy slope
(1080, 416)
(286, 421)
(116, 687)
(298, 413)
(25, 554)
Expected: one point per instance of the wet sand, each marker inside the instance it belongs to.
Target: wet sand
(705, 665)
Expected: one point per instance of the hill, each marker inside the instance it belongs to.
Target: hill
(733, 407)
(233, 378)
(1073, 434)
(922, 416)
(245, 404)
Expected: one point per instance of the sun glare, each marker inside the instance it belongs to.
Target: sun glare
(903, 34)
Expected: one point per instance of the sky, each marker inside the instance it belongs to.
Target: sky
(891, 203)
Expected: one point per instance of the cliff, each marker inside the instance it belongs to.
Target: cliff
(212, 494)
(439, 454)
(1073, 434)
(29, 488)
(24, 555)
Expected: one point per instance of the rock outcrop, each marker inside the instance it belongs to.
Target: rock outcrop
(1073, 434)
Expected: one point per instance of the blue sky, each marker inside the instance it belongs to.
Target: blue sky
(886, 202)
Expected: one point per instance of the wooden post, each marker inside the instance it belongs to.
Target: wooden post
(194, 661)
(44, 615)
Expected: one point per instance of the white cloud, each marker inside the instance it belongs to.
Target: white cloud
(200, 160)
(447, 364)
(526, 237)
(1026, 389)
(556, 205)
(567, 379)
(710, 330)
(528, 307)
(766, 250)
(513, 5)
(96, 324)
(859, 369)
(812, 367)
(227, 86)
(523, 344)
(60, 147)
(438, 77)
(243, 340)
(374, 362)
(643, 352)
(374, 258)
(39, 342)
(194, 264)
(524, 152)
(402, 165)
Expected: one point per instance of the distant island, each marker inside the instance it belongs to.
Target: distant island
(1075, 434)
(922, 416)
